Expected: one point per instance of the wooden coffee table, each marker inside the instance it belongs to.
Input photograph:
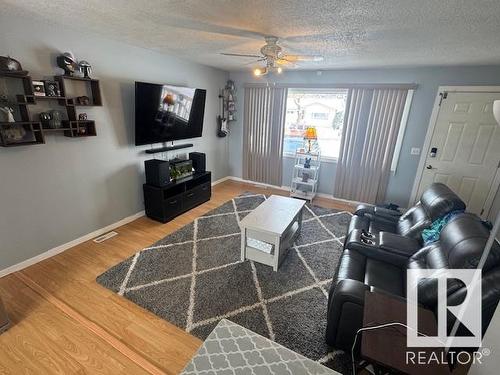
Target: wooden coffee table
(269, 230)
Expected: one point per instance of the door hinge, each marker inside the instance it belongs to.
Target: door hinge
(443, 96)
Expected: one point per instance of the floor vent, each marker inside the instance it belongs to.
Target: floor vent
(105, 236)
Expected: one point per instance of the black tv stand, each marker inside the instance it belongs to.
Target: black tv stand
(168, 148)
(165, 203)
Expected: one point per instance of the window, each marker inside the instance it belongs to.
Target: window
(323, 109)
(319, 116)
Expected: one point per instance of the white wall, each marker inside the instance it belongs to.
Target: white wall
(53, 193)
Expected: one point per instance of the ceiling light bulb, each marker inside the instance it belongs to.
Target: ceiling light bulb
(257, 72)
(279, 70)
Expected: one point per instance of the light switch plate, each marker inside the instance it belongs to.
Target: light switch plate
(415, 151)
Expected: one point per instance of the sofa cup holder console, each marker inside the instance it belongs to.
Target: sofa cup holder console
(384, 242)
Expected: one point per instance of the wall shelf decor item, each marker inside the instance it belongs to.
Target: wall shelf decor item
(20, 133)
(305, 175)
(28, 129)
(227, 97)
(68, 63)
(230, 100)
(8, 65)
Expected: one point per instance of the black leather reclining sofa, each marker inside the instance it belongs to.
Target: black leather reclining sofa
(376, 260)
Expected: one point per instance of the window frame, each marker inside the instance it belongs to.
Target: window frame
(324, 158)
(399, 139)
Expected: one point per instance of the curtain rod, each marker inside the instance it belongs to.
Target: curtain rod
(408, 86)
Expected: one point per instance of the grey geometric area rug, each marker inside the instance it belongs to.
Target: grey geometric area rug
(194, 278)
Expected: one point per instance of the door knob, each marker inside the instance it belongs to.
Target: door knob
(429, 167)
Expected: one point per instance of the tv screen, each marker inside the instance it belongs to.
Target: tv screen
(167, 113)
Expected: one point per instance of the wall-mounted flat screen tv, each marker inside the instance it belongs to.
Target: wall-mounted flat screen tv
(166, 113)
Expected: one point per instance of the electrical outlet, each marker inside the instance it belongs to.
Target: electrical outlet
(415, 151)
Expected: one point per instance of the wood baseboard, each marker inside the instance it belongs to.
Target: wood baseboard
(68, 245)
(61, 248)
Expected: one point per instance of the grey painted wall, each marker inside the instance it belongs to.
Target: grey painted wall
(51, 194)
(428, 80)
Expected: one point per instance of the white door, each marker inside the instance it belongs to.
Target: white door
(466, 141)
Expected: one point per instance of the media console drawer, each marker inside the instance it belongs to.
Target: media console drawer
(166, 203)
(197, 195)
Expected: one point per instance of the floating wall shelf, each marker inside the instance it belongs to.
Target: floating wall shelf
(36, 130)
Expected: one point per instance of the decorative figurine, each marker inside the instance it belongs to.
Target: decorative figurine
(82, 116)
(68, 63)
(305, 176)
(83, 100)
(55, 121)
(51, 119)
(10, 65)
(45, 119)
(52, 88)
(85, 68)
(8, 114)
(307, 163)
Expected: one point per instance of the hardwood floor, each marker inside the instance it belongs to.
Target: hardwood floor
(63, 322)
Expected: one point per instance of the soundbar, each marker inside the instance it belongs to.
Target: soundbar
(168, 148)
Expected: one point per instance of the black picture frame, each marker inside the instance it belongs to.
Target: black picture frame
(38, 88)
(7, 129)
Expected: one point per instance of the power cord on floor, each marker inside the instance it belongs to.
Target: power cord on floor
(371, 328)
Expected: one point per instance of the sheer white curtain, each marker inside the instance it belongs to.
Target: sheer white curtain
(263, 129)
(371, 126)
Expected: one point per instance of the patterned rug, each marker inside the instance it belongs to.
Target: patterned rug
(194, 278)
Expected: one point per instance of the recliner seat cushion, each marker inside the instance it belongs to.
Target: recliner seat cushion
(371, 272)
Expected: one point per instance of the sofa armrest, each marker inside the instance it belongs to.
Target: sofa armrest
(363, 209)
(382, 211)
(345, 313)
(399, 245)
(378, 213)
(370, 247)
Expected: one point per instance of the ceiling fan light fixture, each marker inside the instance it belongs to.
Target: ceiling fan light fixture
(259, 72)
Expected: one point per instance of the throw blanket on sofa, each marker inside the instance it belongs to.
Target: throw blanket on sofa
(431, 234)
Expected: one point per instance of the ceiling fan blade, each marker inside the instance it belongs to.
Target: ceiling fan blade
(241, 55)
(191, 24)
(286, 63)
(293, 58)
(253, 62)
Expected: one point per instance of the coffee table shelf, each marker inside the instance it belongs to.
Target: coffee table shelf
(277, 223)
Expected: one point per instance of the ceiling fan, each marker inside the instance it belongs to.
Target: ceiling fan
(274, 57)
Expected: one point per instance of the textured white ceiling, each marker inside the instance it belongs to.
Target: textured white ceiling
(348, 33)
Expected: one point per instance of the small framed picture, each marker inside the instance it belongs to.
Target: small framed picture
(52, 88)
(39, 88)
(16, 134)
